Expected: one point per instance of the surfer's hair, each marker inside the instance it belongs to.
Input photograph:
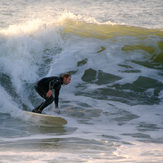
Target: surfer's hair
(66, 75)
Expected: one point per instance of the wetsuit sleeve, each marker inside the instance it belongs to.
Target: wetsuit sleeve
(56, 97)
(52, 84)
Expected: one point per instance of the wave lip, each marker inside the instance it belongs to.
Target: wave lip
(92, 28)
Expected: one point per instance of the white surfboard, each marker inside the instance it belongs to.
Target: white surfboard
(46, 119)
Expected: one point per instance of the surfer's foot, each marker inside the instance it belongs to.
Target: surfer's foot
(36, 111)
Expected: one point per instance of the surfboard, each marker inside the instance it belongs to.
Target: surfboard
(46, 119)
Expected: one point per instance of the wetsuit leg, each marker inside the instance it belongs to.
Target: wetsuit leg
(41, 91)
(48, 101)
(45, 104)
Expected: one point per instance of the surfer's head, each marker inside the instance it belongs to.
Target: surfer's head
(66, 78)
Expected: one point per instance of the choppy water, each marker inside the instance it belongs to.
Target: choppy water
(114, 104)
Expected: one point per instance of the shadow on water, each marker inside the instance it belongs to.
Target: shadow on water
(144, 90)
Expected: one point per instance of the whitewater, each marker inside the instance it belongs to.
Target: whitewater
(114, 103)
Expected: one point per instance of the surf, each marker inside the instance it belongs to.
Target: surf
(39, 46)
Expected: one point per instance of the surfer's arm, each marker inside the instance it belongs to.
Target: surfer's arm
(51, 86)
(56, 97)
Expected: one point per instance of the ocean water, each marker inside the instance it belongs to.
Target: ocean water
(114, 103)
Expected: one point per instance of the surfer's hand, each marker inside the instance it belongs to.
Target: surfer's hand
(57, 110)
(49, 93)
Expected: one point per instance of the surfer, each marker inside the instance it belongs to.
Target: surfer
(44, 88)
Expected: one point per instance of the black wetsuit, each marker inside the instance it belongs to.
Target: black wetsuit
(43, 86)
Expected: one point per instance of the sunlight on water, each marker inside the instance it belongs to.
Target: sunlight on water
(28, 27)
(141, 151)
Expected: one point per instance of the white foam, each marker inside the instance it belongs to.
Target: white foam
(8, 105)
